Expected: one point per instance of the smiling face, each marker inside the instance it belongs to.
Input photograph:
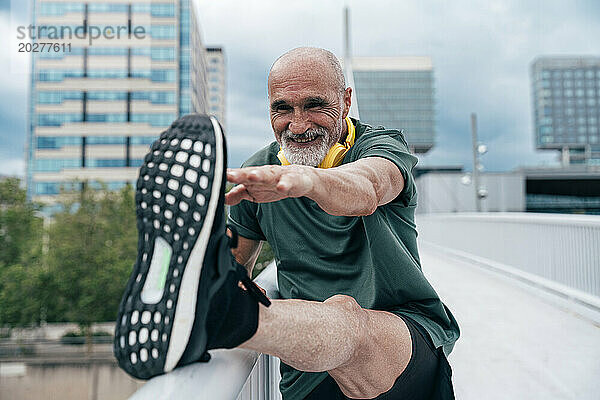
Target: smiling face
(307, 105)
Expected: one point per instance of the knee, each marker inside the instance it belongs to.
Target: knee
(351, 313)
(344, 302)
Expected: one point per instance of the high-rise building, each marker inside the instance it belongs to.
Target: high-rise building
(215, 79)
(124, 71)
(398, 93)
(566, 104)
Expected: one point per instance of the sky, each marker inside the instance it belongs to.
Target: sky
(481, 54)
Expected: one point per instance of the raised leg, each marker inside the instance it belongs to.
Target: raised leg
(363, 350)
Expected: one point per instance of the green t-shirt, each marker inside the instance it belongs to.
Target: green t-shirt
(372, 258)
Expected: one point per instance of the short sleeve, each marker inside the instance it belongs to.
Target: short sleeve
(243, 217)
(390, 144)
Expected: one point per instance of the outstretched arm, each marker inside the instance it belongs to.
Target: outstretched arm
(352, 189)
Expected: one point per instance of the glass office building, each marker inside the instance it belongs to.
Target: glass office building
(398, 93)
(566, 104)
(98, 103)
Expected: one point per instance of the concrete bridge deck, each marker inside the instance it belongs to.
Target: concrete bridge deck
(517, 342)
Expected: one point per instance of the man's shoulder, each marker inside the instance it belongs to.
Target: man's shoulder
(265, 156)
(366, 133)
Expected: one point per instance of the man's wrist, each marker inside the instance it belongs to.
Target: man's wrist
(312, 180)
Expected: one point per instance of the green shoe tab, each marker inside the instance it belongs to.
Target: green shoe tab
(157, 274)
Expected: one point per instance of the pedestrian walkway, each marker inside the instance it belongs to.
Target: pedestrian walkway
(516, 343)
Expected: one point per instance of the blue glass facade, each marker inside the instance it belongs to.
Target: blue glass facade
(51, 149)
(566, 104)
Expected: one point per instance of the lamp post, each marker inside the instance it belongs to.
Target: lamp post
(479, 149)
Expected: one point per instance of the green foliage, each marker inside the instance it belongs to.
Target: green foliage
(74, 270)
(19, 301)
(265, 257)
(20, 229)
(92, 248)
(266, 254)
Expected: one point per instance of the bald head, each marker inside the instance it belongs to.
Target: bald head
(311, 59)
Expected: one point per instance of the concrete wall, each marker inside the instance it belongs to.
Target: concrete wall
(445, 193)
(49, 381)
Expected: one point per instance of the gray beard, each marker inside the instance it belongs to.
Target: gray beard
(311, 156)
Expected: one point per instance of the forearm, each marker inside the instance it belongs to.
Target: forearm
(357, 188)
(246, 252)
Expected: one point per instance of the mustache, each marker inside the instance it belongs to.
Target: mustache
(309, 133)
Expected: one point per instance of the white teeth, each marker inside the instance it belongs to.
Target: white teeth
(307, 137)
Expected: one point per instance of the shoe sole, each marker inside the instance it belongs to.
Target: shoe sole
(177, 196)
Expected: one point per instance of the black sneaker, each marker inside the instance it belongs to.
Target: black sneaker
(184, 254)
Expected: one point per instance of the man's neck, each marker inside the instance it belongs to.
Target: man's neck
(344, 132)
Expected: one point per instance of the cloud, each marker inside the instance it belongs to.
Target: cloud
(14, 82)
(481, 53)
(12, 167)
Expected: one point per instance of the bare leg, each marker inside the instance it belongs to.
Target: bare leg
(363, 350)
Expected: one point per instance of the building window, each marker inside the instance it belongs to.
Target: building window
(57, 142)
(58, 119)
(105, 163)
(55, 165)
(155, 119)
(107, 118)
(163, 53)
(51, 97)
(162, 10)
(162, 31)
(155, 97)
(107, 8)
(142, 140)
(163, 75)
(106, 96)
(47, 8)
(58, 75)
(105, 140)
(107, 74)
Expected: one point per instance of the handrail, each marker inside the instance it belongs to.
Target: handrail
(226, 375)
(558, 252)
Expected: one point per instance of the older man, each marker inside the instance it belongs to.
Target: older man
(360, 318)
(335, 198)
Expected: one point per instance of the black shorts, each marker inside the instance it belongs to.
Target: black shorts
(426, 377)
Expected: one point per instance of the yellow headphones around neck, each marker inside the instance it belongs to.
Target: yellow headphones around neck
(336, 153)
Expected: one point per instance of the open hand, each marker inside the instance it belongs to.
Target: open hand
(269, 183)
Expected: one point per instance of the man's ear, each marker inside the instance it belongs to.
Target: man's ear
(347, 101)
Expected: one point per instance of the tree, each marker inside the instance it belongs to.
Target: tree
(91, 251)
(20, 304)
(20, 228)
(20, 253)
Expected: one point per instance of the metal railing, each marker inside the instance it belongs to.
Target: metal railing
(558, 251)
(231, 374)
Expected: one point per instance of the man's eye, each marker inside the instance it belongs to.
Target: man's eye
(313, 105)
(282, 108)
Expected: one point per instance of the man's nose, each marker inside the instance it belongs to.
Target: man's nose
(299, 124)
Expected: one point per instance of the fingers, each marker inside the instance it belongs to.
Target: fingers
(236, 175)
(241, 285)
(267, 183)
(249, 175)
(237, 194)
